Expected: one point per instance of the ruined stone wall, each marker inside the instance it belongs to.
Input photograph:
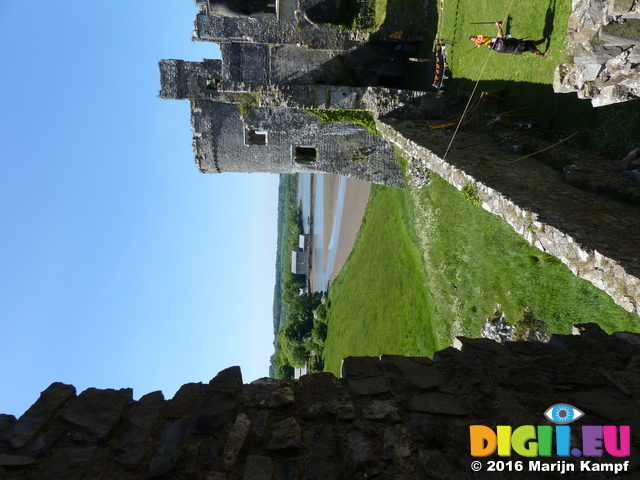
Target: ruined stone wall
(595, 236)
(271, 31)
(389, 418)
(341, 148)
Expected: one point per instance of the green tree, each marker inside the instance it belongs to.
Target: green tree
(284, 371)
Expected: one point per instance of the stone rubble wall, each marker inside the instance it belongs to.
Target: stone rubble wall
(272, 31)
(389, 417)
(596, 237)
(604, 43)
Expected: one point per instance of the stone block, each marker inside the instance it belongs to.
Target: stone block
(364, 375)
(619, 7)
(228, 380)
(621, 34)
(15, 460)
(50, 401)
(396, 443)
(45, 441)
(236, 440)
(325, 460)
(170, 447)
(418, 372)
(285, 435)
(6, 425)
(71, 463)
(268, 393)
(186, 400)
(437, 403)
(430, 430)
(324, 395)
(142, 421)
(97, 411)
(380, 410)
(258, 468)
(359, 439)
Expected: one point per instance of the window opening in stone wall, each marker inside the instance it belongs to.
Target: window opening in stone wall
(305, 154)
(255, 137)
(269, 7)
(208, 83)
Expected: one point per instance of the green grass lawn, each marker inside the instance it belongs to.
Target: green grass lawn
(526, 80)
(428, 265)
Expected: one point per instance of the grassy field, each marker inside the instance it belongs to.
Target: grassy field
(428, 265)
(526, 80)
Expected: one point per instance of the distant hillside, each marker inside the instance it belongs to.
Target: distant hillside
(287, 284)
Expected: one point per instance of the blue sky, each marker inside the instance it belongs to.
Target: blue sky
(120, 264)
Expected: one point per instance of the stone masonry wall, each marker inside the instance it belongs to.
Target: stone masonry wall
(595, 236)
(604, 52)
(390, 417)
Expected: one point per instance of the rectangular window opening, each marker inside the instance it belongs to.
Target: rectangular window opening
(305, 154)
(255, 137)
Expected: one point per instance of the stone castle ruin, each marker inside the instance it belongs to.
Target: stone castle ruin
(250, 110)
(253, 111)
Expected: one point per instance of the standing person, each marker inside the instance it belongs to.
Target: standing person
(502, 44)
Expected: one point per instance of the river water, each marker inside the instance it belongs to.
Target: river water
(323, 262)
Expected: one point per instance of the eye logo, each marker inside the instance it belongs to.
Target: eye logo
(561, 413)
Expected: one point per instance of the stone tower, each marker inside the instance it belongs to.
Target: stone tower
(250, 110)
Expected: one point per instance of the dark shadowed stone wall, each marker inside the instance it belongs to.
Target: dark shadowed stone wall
(390, 417)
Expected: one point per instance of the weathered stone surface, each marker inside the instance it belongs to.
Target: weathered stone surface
(236, 440)
(418, 372)
(380, 410)
(285, 435)
(50, 401)
(603, 40)
(45, 441)
(324, 395)
(15, 460)
(169, 448)
(258, 468)
(187, 399)
(325, 461)
(97, 411)
(429, 430)
(289, 469)
(219, 403)
(70, 463)
(364, 375)
(228, 381)
(142, 421)
(396, 443)
(437, 402)
(360, 445)
(389, 437)
(268, 393)
(6, 425)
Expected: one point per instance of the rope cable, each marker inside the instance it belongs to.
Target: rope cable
(473, 91)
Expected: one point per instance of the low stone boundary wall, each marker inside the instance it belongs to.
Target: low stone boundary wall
(596, 237)
(389, 417)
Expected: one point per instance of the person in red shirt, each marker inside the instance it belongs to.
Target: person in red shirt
(503, 44)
